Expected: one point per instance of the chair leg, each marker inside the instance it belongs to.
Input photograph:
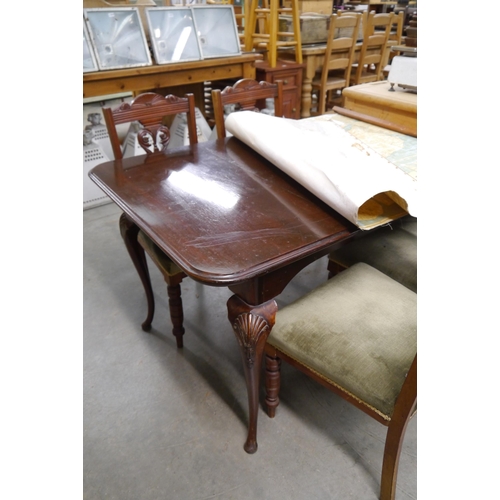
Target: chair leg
(129, 232)
(176, 311)
(390, 465)
(273, 379)
(403, 411)
(334, 268)
(323, 97)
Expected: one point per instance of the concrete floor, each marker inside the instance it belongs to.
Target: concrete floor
(164, 423)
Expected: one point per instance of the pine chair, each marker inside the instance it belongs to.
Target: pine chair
(339, 56)
(245, 93)
(371, 57)
(395, 38)
(149, 110)
(391, 249)
(356, 335)
(262, 28)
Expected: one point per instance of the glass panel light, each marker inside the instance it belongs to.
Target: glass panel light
(118, 37)
(217, 30)
(173, 35)
(89, 62)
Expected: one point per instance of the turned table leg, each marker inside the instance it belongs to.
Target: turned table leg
(251, 325)
(305, 110)
(129, 231)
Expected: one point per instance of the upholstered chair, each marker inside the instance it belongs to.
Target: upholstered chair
(357, 335)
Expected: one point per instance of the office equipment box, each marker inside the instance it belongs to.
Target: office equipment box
(317, 6)
(313, 27)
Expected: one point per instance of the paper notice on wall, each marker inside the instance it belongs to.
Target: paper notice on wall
(345, 173)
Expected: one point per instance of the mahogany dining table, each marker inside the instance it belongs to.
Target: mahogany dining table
(230, 218)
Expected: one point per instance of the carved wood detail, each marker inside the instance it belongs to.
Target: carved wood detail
(252, 325)
(248, 328)
(150, 99)
(246, 92)
(154, 139)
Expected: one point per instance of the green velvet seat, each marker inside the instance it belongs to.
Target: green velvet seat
(357, 335)
(390, 249)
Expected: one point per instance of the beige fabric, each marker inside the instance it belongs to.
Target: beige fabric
(391, 249)
(358, 330)
(159, 257)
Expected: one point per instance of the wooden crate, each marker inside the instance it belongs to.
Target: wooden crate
(317, 6)
(313, 27)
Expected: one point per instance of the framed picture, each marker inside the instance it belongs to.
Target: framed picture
(89, 61)
(217, 30)
(173, 34)
(118, 37)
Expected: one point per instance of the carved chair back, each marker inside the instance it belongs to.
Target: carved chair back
(150, 109)
(245, 93)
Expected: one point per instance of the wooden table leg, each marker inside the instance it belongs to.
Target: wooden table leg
(129, 231)
(251, 325)
(305, 110)
(307, 78)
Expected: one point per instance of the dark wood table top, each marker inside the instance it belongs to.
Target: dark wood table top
(221, 211)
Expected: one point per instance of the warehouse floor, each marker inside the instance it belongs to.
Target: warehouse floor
(168, 423)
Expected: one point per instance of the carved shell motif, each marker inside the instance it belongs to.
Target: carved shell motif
(248, 329)
(152, 143)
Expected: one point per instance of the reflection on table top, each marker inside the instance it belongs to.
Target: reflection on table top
(221, 211)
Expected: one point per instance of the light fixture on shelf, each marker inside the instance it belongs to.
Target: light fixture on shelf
(217, 30)
(173, 35)
(89, 60)
(118, 37)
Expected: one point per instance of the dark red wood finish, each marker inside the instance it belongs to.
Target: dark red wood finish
(230, 218)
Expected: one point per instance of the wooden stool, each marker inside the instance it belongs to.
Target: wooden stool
(266, 18)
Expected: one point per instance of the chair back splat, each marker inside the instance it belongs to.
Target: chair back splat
(246, 94)
(149, 110)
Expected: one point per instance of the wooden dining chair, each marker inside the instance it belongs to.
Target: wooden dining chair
(150, 110)
(392, 249)
(395, 38)
(335, 73)
(376, 34)
(357, 336)
(245, 94)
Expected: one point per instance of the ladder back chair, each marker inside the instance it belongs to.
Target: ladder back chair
(339, 57)
(262, 28)
(245, 93)
(356, 335)
(395, 38)
(371, 57)
(150, 109)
